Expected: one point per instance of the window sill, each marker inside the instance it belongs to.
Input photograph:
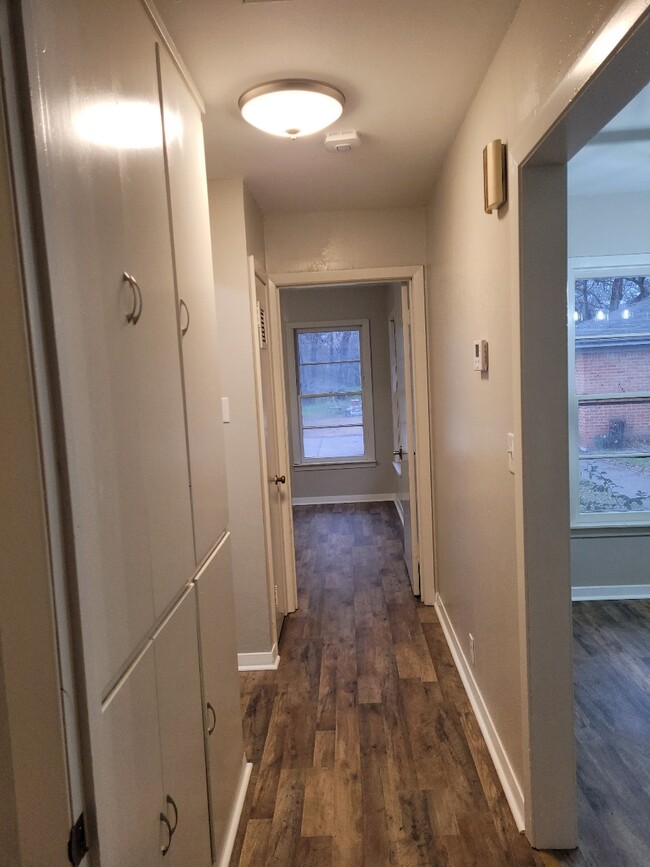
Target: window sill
(335, 465)
(602, 531)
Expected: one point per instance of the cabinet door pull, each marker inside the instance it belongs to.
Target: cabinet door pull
(172, 803)
(184, 306)
(134, 314)
(212, 727)
(165, 847)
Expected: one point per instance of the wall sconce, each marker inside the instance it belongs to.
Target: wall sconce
(495, 193)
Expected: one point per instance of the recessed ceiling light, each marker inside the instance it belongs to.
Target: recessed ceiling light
(292, 107)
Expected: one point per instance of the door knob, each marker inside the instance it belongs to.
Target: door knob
(399, 453)
(279, 480)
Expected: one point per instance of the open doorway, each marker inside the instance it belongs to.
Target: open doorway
(608, 185)
(552, 439)
(352, 401)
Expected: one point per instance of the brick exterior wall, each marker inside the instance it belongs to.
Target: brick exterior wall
(615, 371)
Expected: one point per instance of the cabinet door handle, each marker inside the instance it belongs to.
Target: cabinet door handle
(172, 803)
(212, 727)
(165, 847)
(184, 306)
(136, 311)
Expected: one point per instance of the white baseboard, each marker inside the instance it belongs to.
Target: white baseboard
(265, 661)
(400, 509)
(511, 787)
(610, 591)
(344, 498)
(238, 806)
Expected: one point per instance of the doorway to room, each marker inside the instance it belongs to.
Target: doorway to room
(355, 411)
(565, 401)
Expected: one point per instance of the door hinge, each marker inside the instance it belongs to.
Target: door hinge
(77, 846)
(275, 593)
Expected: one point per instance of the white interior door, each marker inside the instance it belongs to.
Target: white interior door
(185, 794)
(224, 739)
(275, 471)
(404, 431)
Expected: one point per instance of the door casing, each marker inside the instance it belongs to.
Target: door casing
(414, 277)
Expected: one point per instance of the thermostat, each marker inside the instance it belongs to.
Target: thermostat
(480, 355)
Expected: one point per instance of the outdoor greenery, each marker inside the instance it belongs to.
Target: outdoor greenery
(600, 493)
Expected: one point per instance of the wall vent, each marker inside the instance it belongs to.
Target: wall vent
(261, 326)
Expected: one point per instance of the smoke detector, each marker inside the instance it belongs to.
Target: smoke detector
(340, 142)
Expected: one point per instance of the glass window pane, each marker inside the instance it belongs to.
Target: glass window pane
(324, 378)
(612, 305)
(340, 345)
(333, 442)
(612, 368)
(619, 484)
(614, 426)
(332, 411)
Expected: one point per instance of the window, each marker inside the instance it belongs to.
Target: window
(609, 389)
(331, 393)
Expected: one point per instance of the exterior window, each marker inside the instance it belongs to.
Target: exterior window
(331, 393)
(609, 390)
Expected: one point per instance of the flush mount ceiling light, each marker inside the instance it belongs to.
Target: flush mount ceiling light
(291, 107)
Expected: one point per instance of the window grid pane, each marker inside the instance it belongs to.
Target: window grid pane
(612, 391)
(330, 393)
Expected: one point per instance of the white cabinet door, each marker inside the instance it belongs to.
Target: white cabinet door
(102, 184)
(195, 287)
(220, 690)
(127, 771)
(181, 736)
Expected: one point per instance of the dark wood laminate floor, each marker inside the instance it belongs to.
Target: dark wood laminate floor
(612, 691)
(366, 752)
(365, 749)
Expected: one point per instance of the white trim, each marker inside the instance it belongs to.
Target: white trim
(511, 786)
(368, 417)
(344, 498)
(400, 509)
(229, 843)
(267, 660)
(610, 591)
(578, 268)
(398, 274)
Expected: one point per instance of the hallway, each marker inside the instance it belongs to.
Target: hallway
(364, 745)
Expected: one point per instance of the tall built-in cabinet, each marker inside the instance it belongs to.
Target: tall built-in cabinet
(128, 292)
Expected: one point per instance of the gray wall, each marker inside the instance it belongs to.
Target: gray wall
(340, 303)
(236, 228)
(606, 226)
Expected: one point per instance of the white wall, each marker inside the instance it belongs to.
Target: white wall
(609, 225)
(473, 284)
(341, 303)
(235, 218)
(340, 240)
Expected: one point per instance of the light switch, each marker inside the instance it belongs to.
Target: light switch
(511, 453)
(225, 410)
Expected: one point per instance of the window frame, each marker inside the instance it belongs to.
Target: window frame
(581, 268)
(368, 413)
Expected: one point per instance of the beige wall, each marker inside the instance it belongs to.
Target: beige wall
(472, 268)
(608, 225)
(235, 217)
(340, 240)
(340, 303)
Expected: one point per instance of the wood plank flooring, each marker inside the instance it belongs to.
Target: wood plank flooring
(365, 749)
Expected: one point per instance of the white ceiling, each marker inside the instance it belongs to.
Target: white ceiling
(408, 68)
(617, 160)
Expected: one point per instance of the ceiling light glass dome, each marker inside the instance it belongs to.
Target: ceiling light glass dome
(293, 107)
